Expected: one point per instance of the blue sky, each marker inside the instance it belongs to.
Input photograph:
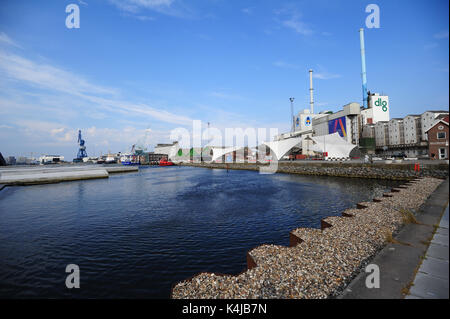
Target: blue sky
(154, 65)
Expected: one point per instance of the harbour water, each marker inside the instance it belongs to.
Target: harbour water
(135, 235)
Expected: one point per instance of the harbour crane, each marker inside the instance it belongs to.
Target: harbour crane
(140, 145)
(82, 150)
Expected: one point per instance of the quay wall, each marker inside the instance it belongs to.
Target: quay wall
(56, 174)
(394, 171)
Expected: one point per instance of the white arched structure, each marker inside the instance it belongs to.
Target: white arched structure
(280, 148)
(333, 144)
(169, 150)
(219, 152)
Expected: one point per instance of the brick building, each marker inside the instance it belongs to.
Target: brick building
(438, 139)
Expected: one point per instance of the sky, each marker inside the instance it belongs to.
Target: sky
(137, 69)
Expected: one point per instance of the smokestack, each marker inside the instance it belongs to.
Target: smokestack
(311, 102)
(363, 67)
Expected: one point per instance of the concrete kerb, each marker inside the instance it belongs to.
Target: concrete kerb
(399, 262)
(47, 175)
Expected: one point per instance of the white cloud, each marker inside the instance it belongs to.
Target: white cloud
(282, 64)
(222, 95)
(167, 7)
(290, 17)
(58, 80)
(47, 76)
(430, 46)
(31, 90)
(7, 40)
(325, 76)
(441, 35)
(298, 26)
(45, 134)
(247, 10)
(134, 5)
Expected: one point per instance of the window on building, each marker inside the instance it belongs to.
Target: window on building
(441, 135)
(442, 153)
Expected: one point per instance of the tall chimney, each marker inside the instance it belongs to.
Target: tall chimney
(363, 67)
(311, 102)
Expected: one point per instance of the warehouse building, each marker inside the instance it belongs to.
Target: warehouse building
(413, 129)
(368, 131)
(396, 132)
(382, 134)
(404, 136)
(345, 122)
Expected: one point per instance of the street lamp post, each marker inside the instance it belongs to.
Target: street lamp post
(292, 114)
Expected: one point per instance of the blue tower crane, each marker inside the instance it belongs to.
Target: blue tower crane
(82, 150)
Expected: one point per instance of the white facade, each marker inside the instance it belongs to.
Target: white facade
(46, 159)
(379, 109)
(368, 131)
(413, 129)
(396, 132)
(349, 116)
(382, 133)
(168, 149)
(427, 120)
(303, 121)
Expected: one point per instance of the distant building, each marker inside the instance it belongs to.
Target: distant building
(153, 157)
(396, 132)
(11, 160)
(377, 111)
(345, 122)
(51, 159)
(23, 160)
(428, 119)
(413, 129)
(167, 149)
(368, 131)
(382, 134)
(438, 141)
(303, 120)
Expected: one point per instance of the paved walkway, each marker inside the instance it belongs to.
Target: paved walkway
(431, 280)
(398, 261)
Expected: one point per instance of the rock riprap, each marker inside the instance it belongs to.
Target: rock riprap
(320, 262)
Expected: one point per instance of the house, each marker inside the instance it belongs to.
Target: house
(438, 139)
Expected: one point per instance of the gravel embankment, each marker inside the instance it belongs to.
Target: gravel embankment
(321, 262)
